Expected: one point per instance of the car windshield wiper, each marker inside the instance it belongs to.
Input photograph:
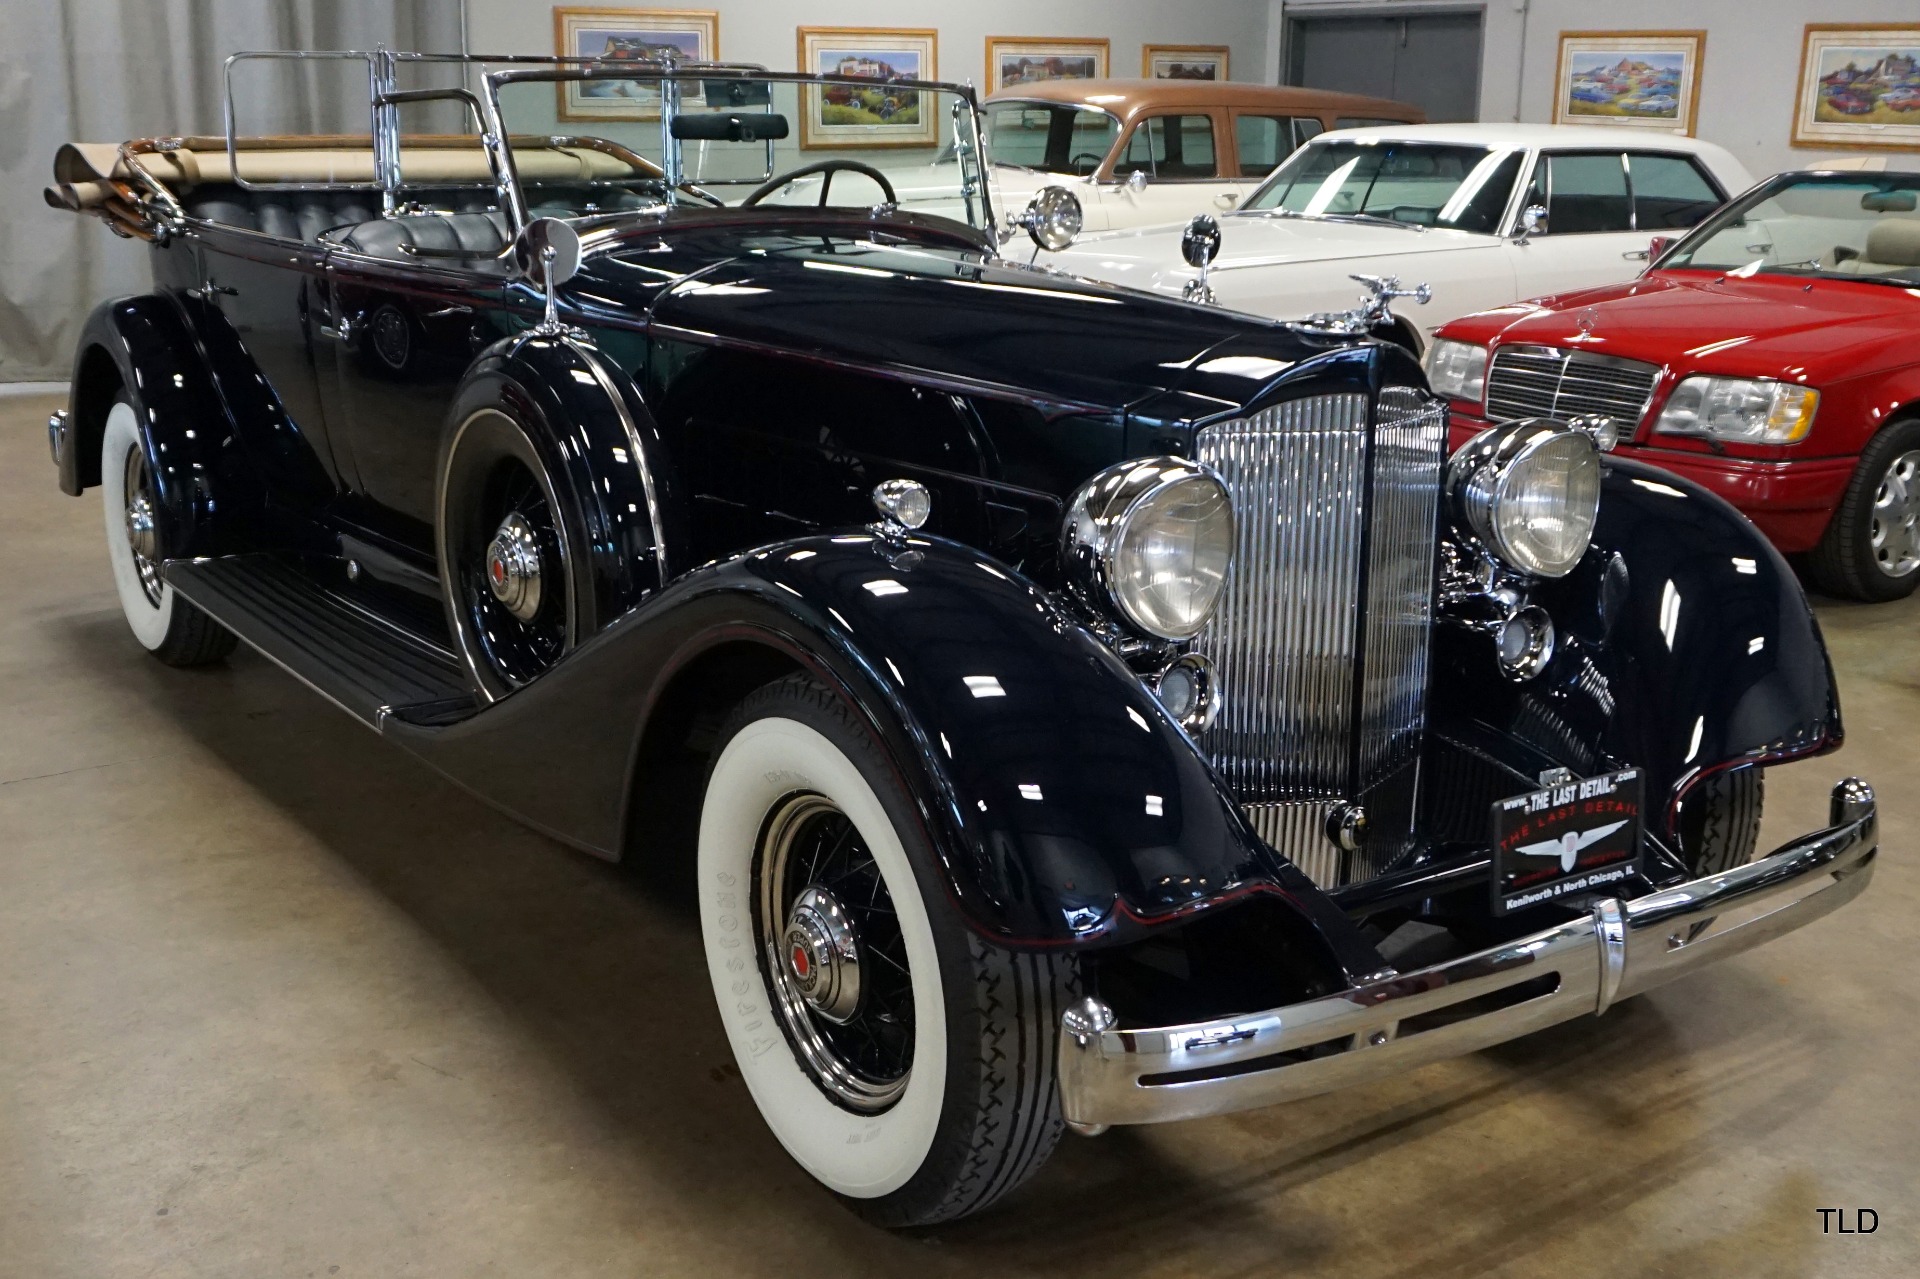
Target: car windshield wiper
(1363, 219)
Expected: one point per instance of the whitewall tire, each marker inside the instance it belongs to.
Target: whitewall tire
(823, 937)
(167, 626)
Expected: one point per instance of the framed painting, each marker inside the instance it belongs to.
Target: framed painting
(852, 115)
(1643, 79)
(1859, 87)
(1016, 60)
(691, 35)
(1184, 61)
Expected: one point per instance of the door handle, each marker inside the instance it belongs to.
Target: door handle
(208, 291)
(1636, 255)
(1225, 200)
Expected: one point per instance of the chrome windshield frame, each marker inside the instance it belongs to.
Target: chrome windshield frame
(975, 186)
(385, 98)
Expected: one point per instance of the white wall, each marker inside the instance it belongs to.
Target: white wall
(1747, 81)
(763, 30)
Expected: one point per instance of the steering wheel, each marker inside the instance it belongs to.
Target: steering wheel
(1093, 163)
(828, 167)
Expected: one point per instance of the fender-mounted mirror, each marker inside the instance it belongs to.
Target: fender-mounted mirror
(547, 254)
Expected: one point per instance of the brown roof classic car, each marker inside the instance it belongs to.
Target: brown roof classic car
(1137, 152)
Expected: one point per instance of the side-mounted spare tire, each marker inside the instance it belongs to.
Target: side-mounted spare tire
(904, 1062)
(511, 552)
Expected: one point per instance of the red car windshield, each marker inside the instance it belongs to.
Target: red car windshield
(1846, 226)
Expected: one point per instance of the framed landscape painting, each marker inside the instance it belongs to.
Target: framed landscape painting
(856, 116)
(691, 35)
(1645, 79)
(1184, 61)
(1016, 60)
(1859, 87)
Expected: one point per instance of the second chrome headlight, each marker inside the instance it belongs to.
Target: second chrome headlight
(1150, 541)
(1531, 492)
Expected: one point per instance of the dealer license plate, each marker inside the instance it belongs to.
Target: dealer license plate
(1577, 837)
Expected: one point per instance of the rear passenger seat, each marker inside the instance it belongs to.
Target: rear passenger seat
(468, 224)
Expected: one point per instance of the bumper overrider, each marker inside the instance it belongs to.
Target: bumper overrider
(1110, 1075)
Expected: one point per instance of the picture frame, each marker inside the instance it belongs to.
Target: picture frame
(866, 119)
(1859, 86)
(693, 34)
(1640, 79)
(1016, 60)
(1185, 61)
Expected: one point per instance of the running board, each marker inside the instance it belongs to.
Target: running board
(362, 663)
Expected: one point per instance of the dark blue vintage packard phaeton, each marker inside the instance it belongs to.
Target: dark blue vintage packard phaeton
(1066, 697)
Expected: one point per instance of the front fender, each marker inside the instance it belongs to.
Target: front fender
(1066, 807)
(1688, 648)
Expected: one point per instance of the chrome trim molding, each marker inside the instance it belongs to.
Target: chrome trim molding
(1153, 1075)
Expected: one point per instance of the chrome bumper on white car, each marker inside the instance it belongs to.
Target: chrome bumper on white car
(1139, 1076)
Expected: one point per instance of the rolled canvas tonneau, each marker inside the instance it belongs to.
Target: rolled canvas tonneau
(88, 176)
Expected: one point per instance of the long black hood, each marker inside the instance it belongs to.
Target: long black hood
(931, 309)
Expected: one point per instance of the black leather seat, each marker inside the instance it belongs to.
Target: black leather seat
(412, 235)
(293, 215)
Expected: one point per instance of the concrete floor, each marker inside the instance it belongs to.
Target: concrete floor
(274, 1000)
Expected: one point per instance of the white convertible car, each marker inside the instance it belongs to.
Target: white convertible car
(1484, 214)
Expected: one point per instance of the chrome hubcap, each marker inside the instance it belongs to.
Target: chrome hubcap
(143, 526)
(1896, 517)
(513, 567)
(823, 956)
(833, 955)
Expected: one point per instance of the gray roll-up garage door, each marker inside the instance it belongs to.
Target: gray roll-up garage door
(1429, 59)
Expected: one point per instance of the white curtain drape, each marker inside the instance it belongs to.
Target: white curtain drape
(108, 70)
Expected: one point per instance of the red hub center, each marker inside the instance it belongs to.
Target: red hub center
(801, 964)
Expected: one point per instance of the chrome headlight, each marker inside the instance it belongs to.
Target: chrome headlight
(1457, 369)
(1530, 491)
(1747, 410)
(1150, 541)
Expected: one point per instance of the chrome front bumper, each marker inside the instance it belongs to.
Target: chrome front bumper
(1123, 1076)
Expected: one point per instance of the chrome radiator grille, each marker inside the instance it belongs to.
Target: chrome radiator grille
(1320, 640)
(1546, 381)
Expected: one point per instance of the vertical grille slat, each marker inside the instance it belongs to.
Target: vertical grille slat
(1320, 639)
(1546, 381)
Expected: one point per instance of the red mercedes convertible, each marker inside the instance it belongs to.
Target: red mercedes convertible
(1772, 356)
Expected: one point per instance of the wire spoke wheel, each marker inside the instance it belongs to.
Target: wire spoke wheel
(832, 954)
(142, 518)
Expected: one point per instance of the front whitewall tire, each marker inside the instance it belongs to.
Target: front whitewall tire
(860, 1156)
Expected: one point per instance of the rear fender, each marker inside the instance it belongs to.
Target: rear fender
(144, 345)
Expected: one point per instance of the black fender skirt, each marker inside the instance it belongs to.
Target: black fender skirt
(1066, 806)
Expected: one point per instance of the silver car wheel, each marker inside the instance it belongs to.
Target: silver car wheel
(1895, 536)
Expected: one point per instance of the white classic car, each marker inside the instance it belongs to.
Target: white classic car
(1141, 152)
(1484, 214)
